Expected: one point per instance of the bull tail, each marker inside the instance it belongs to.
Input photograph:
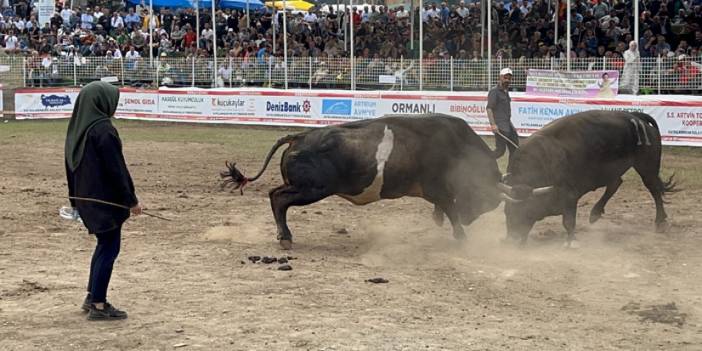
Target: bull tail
(668, 186)
(234, 176)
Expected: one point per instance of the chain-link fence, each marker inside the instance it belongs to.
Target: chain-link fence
(669, 75)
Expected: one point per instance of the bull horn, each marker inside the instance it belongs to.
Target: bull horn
(510, 199)
(542, 191)
(504, 188)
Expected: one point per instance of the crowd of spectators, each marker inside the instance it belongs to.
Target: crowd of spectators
(521, 29)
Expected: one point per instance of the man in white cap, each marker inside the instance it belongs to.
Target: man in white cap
(630, 74)
(499, 112)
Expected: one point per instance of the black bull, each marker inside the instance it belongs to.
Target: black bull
(436, 157)
(578, 154)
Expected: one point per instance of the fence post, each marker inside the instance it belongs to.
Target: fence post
(659, 74)
(553, 63)
(604, 63)
(158, 68)
(24, 72)
(451, 82)
(270, 71)
(231, 71)
(353, 75)
(75, 72)
(121, 68)
(421, 73)
(193, 75)
(402, 73)
(285, 62)
(310, 72)
(215, 70)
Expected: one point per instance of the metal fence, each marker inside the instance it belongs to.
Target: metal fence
(668, 75)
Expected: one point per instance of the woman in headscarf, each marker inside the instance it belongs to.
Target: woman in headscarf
(95, 168)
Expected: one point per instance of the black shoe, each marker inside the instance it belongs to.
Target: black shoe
(87, 302)
(106, 314)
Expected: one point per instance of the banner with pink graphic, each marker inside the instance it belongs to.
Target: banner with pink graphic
(594, 84)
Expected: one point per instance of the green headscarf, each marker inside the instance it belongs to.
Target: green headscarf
(96, 102)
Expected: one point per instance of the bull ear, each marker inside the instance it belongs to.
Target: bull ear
(543, 191)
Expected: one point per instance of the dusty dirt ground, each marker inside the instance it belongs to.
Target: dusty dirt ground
(188, 285)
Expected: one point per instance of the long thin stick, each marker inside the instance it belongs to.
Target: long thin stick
(507, 139)
(497, 133)
(115, 205)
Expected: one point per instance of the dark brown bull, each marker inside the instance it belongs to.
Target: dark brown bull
(574, 155)
(436, 157)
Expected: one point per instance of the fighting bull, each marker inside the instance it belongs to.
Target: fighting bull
(574, 155)
(435, 157)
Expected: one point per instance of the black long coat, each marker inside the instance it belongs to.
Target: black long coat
(102, 174)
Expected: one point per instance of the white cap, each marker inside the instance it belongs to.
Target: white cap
(505, 71)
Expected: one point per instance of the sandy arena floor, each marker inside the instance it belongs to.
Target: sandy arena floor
(188, 285)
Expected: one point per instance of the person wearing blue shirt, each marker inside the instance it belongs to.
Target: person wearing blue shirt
(261, 54)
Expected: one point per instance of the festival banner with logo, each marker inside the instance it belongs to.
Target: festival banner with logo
(594, 84)
(137, 103)
(44, 103)
(679, 117)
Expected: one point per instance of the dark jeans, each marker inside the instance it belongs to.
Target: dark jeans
(501, 143)
(104, 258)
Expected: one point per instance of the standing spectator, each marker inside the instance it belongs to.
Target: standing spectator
(166, 20)
(95, 168)
(66, 16)
(87, 20)
(189, 38)
(132, 20)
(11, 42)
(116, 20)
(499, 111)
(97, 13)
(630, 74)
(177, 36)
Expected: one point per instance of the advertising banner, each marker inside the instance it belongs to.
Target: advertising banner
(137, 103)
(679, 117)
(44, 103)
(594, 84)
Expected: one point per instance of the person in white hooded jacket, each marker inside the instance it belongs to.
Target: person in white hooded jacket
(632, 67)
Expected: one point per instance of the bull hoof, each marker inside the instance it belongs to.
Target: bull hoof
(511, 241)
(286, 244)
(595, 216)
(459, 236)
(438, 217)
(573, 244)
(662, 227)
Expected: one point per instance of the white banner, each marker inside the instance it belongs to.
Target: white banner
(137, 103)
(679, 117)
(1, 103)
(46, 9)
(44, 103)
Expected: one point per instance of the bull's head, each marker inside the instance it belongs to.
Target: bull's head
(524, 205)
